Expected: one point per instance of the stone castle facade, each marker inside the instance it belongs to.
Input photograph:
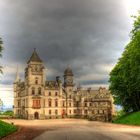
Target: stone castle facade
(36, 98)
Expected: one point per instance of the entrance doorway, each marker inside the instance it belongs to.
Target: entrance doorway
(63, 113)
(36, 115)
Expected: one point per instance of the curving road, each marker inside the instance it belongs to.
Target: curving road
(85, 130)
(76, 129)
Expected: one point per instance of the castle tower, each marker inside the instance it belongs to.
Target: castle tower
(35, 86)
(68, 80)
(16, 94)
(35, 72)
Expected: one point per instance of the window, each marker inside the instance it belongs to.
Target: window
(33, 91)
(75, 111)
(63, 103)
(56, 93)
(36, 104)
(56, 112)
(85, 104)
(50, 103)
(50, 112)
(100, 111)
(90, 104)
(36, 80)
(69, 104)
(70, 111)
(39, 91)
(56, 103)
(70, 96)
(85, 111)
(49, 93)
(18, 103)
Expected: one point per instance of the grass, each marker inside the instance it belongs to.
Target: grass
(6, 129)
(130, 119)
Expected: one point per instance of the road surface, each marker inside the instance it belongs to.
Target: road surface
(76, 129)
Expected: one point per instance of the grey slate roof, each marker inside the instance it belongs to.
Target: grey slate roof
(35, 57)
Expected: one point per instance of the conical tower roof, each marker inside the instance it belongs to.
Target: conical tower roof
(34, 57)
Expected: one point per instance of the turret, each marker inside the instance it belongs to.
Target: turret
(35, 75)
(68, 79)
(16, 82)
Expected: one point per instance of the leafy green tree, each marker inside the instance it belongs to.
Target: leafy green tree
(9, 113)
(125, 76)
(1, 48)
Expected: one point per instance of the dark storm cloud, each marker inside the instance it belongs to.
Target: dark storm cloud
(88, 35)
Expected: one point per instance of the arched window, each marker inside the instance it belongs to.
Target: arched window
(39, 91)
(36, 80)
(33, 91)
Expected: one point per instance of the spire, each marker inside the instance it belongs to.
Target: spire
(35, 57)
(17, 75)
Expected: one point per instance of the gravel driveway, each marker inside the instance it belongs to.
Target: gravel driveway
(76, 129)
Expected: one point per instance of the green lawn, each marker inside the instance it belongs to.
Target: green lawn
(6, 129)
(131, 119)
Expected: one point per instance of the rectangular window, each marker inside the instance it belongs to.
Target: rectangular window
(36, 104)
(50, 112)
(100, 111)
(85, 111)
(69, 104)
(85, 104)
(49, 94)
(56, 93)
(56, 103)
(56, 112)
(50, 103)
(70, 111)
(63, 103)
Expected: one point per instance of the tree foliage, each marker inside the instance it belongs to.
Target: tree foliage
(1, 48)
(125, 76)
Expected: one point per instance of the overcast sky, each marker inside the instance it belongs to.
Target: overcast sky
(88, 35)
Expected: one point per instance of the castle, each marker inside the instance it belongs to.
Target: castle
(36, 98)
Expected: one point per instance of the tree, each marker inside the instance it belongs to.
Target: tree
(1, 48)
(125, 76)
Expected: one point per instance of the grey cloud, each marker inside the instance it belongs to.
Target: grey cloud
(80, 33)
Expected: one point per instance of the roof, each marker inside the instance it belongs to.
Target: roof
(51, 84)
(34, 57)
(68, 71)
